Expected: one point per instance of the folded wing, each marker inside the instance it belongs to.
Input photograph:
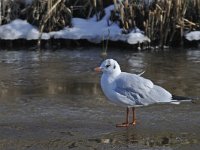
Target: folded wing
(133, 87)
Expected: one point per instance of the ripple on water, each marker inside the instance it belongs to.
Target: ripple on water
(58, 93)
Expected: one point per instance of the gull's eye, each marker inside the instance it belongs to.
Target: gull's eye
(107, 66)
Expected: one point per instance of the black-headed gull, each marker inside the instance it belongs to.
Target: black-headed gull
(130, 90)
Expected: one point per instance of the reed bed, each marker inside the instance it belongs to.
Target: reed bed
(169, 20)
(9, 10)
(163, 21)
(49, 15)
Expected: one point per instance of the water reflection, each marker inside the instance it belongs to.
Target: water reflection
(70, 71)
(137, 63)
(193, 56)
(57, 92)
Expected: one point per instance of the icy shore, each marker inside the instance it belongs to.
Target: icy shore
(87, 29)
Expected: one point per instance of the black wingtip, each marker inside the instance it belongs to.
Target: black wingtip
(180, 98)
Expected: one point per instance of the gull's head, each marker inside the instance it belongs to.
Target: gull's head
(109, 66)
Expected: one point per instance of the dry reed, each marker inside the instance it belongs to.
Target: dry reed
(9, 10)
(163, 21)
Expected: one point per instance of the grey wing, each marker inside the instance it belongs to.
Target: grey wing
(133, 97)
(134, 87)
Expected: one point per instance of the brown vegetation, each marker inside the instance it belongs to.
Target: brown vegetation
(163, 21)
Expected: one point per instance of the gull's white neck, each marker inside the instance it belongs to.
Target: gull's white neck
(112, 75)
(108, 84)
(108, 78)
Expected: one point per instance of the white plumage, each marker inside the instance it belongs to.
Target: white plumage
(130, 90)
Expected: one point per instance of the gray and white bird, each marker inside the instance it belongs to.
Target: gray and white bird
(130, 90)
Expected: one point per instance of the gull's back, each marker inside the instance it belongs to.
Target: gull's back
(140, 90)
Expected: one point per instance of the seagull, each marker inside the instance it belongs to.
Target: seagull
(131, 90)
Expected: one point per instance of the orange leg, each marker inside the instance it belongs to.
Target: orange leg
(134, 117)
(126, 123)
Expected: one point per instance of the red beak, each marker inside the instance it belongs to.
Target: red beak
(97, 69)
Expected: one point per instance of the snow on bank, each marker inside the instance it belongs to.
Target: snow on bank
(19, 29)
(88, 29)
(194, 35)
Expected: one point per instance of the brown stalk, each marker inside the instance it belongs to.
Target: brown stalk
(47, 16)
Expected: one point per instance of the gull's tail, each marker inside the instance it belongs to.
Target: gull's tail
(178, 99)
(181, 98)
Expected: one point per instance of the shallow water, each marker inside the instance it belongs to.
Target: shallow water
(52, 100)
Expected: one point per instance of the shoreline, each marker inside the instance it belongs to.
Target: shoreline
(151, 24)
(68, 43)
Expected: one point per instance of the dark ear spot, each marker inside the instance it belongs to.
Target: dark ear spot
(114, 66)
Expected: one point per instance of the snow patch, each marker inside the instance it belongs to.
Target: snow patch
(194, 35)
(89, 29)
(19, 29)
